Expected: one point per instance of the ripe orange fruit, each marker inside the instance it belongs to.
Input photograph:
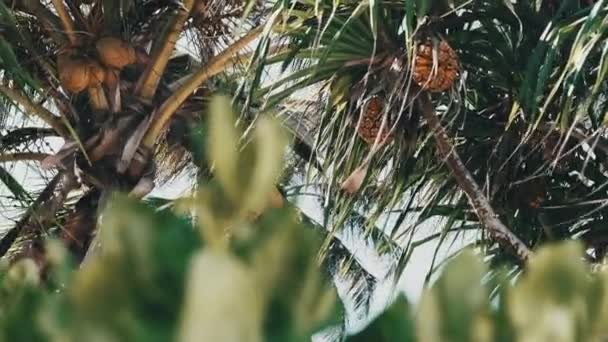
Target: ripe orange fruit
(370, 123)
(435, 72)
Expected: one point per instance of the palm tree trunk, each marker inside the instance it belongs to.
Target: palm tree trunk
(78, 229)
(485, 213)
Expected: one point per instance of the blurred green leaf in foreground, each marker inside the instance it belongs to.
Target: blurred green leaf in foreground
(557, 299)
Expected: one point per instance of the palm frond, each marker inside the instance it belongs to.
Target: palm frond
(15, 188)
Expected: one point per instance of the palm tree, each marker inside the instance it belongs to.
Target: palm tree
(114, 81)
(487, 114)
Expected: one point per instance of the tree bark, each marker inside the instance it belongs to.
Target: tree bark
(497, 231)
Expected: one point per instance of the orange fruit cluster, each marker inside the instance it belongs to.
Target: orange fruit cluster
(435, 75)
(370, 123)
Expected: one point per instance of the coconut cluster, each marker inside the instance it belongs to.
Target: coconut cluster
(78, 73)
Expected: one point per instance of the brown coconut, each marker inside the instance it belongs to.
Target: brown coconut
(115, 53)
(97, 74)
(74, 73)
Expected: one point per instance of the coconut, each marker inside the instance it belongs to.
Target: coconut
(115, 53)
(97, 74)
(74, 73)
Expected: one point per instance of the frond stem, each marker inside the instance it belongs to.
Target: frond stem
(146, 87)
(9, 238)
(66, 20)
(31, 108)
(216, 65)
(23, 156)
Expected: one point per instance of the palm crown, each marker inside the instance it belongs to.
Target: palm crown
(524, 146)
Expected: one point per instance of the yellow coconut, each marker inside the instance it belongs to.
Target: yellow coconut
(97, 74)
(115, 53)
(73, 73)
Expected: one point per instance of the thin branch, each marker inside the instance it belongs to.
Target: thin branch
(32, 108)
(216, 65)
(242, 59)
(24, 156)
(146, 87)
(488, 218)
